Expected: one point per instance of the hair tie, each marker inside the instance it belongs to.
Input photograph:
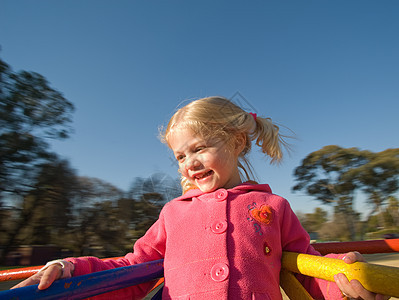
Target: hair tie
(253, 115)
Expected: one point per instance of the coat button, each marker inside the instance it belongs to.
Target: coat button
(221, 194)
(219, 227)
(220, 272)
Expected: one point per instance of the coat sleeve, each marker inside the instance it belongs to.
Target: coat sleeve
(148, 248)
(295, 238)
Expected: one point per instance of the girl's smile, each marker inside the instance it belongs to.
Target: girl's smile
(207, 164)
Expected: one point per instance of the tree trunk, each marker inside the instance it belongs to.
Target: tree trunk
(351, 226)
(26, 217)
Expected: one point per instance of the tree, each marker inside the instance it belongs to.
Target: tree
(31, 112)
(107, 218)
(333, 174)
(312, 222)
(44, 212)
(378, 178)
(149, 195)
(107, 231)
(337, 229)
(156, 184)
(94, 214)
(393, 210)
(389, 216)
(52, 196)
(322, 175)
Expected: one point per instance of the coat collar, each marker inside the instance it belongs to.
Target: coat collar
(244, 187)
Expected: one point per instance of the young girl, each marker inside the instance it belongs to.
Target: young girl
(223, 238)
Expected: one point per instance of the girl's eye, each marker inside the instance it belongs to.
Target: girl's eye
(199, 148)
(180, 158)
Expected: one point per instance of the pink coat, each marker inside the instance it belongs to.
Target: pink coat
(221, 245)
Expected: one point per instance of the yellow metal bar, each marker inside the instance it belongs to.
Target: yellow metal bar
(376, 278)
(292, 287)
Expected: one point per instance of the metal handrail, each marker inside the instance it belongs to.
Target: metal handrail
(81, 287)
(376, 278)
(364, 247)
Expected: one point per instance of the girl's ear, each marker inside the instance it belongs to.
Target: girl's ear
(240, 143)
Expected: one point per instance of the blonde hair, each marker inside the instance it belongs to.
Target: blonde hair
(218, 117)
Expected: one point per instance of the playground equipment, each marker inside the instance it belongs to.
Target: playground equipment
(376, 278)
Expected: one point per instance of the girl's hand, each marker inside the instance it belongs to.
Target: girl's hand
(354, 289)
(44, 278)
(51, 272)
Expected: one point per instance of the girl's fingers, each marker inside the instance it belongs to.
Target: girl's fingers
(382, 297)
(361, 291)
(344, 285)
(29, 281)
(352, 257)
(51, 274)
(354, 289)
(44, 278)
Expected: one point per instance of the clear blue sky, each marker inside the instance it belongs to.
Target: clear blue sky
(328, 70)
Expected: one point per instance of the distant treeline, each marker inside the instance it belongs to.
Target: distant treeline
(43, 201)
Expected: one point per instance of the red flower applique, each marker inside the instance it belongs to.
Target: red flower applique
(264, 214)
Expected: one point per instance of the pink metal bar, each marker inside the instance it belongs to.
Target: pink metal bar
(365, 247)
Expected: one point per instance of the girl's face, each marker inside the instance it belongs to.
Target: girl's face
(208, 164)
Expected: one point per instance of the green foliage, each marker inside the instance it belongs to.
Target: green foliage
(30, 113)
(322, 173)
(47, 207)
(47, 202)
(333, 175)
(312, 222)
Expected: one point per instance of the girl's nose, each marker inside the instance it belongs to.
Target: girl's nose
(192, 163)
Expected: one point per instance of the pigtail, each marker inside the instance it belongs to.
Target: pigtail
(267, 136)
